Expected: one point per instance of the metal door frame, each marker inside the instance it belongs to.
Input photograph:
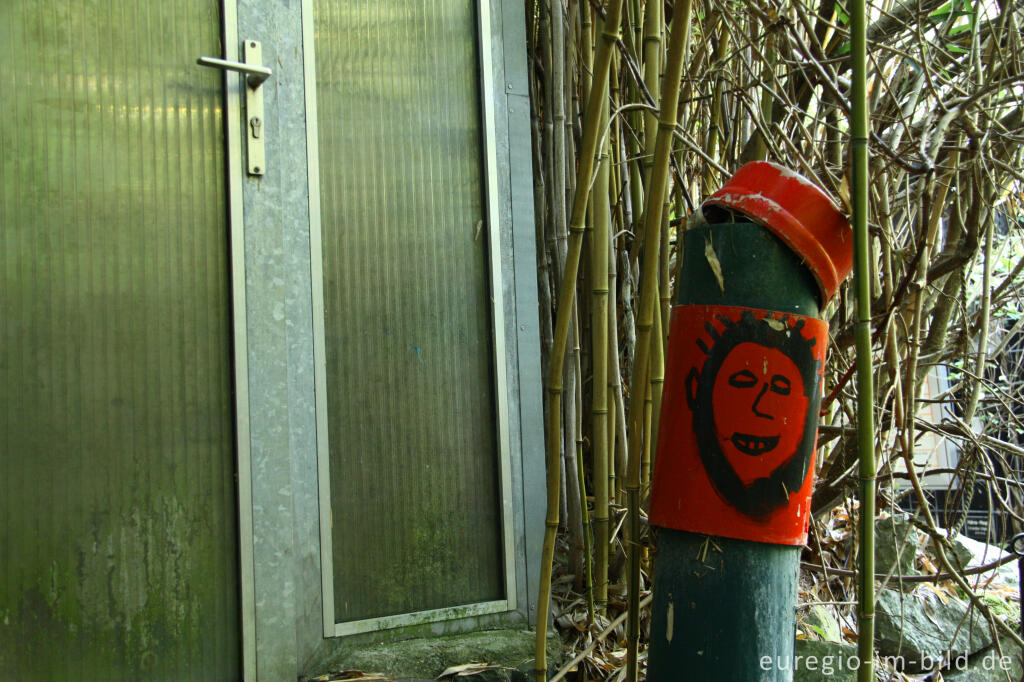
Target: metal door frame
(331, 627)
(233, 94)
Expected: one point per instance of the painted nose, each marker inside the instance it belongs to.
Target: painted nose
(757, 413)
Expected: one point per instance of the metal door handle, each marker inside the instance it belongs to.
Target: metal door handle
(254, 73)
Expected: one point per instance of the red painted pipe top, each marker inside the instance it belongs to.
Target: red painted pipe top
(798, 212)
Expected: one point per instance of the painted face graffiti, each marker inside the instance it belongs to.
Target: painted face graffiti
(752, 403)
(756, 394)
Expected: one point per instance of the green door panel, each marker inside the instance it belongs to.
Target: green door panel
(414, 459)
(118, 538)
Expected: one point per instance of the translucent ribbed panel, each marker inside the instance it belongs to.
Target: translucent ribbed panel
(410, 388)
(118, 536)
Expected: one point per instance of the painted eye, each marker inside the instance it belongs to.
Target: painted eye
(743, 379)
(780, 384)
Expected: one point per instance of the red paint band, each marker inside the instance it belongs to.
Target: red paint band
(738, 423)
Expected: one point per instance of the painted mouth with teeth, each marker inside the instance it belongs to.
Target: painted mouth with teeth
(753, 445)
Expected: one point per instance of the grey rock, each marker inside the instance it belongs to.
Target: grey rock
(895, 547)
(824, 662)
(963, 555)
(923, 630)
(821, 620)
(981, 553)
(988, 666)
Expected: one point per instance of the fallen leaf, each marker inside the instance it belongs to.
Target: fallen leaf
(352, 676)
(844, 194)
(716, 267)
(938, 593)
(466, 669)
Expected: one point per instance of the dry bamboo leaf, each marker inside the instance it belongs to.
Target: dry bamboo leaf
(1003, 591)
(563, 580)
(927, 565)
(838, 535)
(938, 593)
(844, 195)
(599, 663)
(716, 267)
(352, 676)
(467, 669)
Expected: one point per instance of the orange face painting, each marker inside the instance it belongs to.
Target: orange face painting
(758, 396)
(738, 423)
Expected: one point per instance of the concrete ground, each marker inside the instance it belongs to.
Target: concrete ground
(500, 655)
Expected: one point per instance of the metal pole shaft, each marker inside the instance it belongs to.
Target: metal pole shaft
(724, 609)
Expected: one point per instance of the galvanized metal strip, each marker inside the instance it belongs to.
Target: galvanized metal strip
(531, 418)
(319, 335)
(236, 219)
(497, 295)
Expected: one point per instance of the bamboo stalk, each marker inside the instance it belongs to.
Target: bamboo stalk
(661, 318)
(588, 578)
(653, 22)
(649, 295)
(599, 341)
(665, 285)
(586, 49)
(628, 276)
(616, 413)
(656, 389)
(540, 193)
(636, 11)
(652, 410)
(612, 373)
(645, 462)
(986, 314)
(566, 297)
(621, 433)
(865, 389)
(558, 206)
(581, 491)
(645, 440)
(637, 151)
(546, 228)
(714, 126)
(573, 443)
(557, 112)
(767, 99)
(636, 185)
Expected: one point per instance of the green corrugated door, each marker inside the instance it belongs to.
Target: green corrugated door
(411, 413)
(118, 539)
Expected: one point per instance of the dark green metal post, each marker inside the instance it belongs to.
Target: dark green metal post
(734, 469)
(731, 602)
